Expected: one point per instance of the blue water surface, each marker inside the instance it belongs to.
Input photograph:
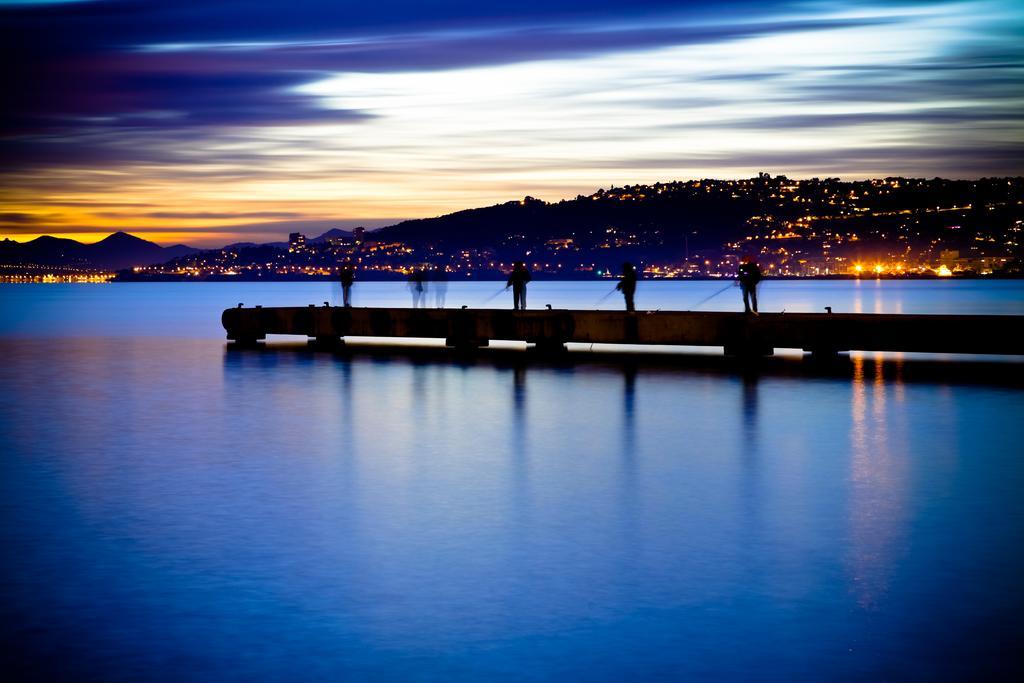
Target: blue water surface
(192, 309)
(171, 509)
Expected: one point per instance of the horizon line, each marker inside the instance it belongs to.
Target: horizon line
(101, 233)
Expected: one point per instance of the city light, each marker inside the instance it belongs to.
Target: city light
(811, 228)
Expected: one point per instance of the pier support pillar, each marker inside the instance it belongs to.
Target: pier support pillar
(245, 343)
(465, 343)
(748, 350)
(549, 347)
(326, 342)
(824, 352)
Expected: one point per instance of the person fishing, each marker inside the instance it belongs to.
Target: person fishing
(748, 275)
(439, 276)
(627, 285)
(418, 287)
(347, 275)
(517, 280)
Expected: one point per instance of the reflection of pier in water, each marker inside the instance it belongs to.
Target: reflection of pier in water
(622, 459)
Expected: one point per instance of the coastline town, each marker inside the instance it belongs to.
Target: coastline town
(891, 227)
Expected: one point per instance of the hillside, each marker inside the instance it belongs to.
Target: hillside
(678, 219)
(115, 252)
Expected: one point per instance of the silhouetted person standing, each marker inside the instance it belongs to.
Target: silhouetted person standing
(627, 285)
(439, 275)
(749, 275)
(418, 287)
(347, 276)
(517, 280)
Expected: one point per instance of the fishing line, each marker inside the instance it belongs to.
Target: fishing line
(493, 296)
(709, 298)
(601, 300)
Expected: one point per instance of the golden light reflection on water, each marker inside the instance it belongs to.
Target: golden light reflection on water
(878, 492)
(875, 300)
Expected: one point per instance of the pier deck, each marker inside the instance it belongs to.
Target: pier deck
(738, 333)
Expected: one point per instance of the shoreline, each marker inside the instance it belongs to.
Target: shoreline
(542, 277)
(107, 278)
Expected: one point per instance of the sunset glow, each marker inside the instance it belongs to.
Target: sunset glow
(201, 134)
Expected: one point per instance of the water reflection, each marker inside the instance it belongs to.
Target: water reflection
(749, 410)
(520, 446)
(878, 481)
(169, 505)
(629, 372)
(630, 470)
(751, 446)
(519, 394)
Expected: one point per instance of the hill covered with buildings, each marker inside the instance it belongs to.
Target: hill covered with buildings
(697, 228)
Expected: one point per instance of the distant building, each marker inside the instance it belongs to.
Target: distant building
(358, 235)
(812, 266)
(560, 243)
(984, 265)
(296, 242)
(339, 242)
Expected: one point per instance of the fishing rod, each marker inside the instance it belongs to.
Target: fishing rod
(494, 296)
(601, 300)
(709, 298)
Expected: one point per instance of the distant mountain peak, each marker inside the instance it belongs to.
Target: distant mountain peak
(50, 239)
(114, 252)
(332, 234)
(124, 238)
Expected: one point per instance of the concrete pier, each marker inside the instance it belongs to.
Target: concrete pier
(550, 330)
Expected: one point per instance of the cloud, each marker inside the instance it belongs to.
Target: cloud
(317, 108)
(951, 115)
(200, 215)
(956, 161)
(24, 218)
(433, 50)
(186, 64)
(221, 216)
(111, 98)
(91, 204)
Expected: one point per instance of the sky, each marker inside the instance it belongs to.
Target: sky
(213, 122)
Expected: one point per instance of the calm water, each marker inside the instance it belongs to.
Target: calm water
(193, 309)
(173, 510)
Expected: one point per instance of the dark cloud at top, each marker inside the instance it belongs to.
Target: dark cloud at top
(106, 63)
(92, 75)
(125, 23)
(136, 80)
(74, 69)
